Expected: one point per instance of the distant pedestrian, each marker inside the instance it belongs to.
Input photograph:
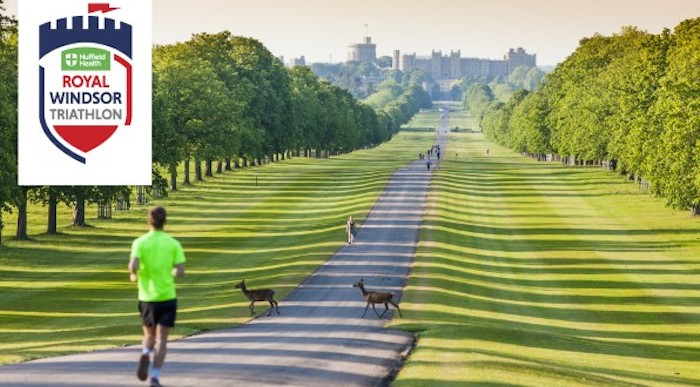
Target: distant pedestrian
(487, 151)
(156, 259)
(351, 229)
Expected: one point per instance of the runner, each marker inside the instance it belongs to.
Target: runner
(156, 259)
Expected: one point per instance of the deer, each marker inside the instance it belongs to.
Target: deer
(376, 298)
(258, 295)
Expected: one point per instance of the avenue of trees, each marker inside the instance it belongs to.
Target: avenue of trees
(219, 102)
(630, 101)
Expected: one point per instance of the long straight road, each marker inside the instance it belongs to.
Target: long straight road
(319, 340)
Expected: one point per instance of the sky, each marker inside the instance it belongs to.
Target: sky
(321, 30)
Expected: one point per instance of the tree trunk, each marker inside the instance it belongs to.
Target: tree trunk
(51, 223)
(198, 170)
(695, 210)
(173, 177)
(186, 180)
(22, 215)
(79, 210)
(210, 170)
(227, 166)
(141, 195)
(219, 166)
(104, 209)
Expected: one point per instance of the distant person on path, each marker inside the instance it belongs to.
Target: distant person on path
(351, 230)
(156, 259)
(487, 151)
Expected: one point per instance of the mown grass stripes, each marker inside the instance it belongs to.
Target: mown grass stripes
(539, 274)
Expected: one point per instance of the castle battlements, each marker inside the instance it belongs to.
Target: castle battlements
(117, 36)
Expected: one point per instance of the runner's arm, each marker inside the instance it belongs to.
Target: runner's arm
(179, 270)
(133, 268)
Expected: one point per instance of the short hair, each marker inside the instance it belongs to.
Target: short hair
(156, 217)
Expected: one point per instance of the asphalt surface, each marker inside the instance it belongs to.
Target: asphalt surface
(319, 339)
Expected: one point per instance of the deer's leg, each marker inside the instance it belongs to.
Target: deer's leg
(273, 303)
(252, 307)
(397, 308)
(386, 307)
(375, 310)
(366, 307)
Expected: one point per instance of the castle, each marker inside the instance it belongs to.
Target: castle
(363, 52)
(444, 67)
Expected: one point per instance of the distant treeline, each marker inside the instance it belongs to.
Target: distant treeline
(630, 100)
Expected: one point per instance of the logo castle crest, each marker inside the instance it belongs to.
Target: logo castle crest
(85, 81)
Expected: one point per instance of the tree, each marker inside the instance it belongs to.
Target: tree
(528, 125)
(9, 191)
(196, 112)
(50, 197)
(477, 99)
(269, 102)
(678, 110)
(306, 107)
(384, 61)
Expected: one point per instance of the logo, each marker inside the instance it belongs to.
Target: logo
(84, 99)
(84, 96)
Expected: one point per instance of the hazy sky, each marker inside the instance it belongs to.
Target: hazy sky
(322, 29)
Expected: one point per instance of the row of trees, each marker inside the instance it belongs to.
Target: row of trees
(632, 99)
(219, 101)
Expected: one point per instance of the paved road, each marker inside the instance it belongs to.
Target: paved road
(319, 340)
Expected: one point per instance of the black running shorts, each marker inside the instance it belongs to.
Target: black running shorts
(158, 313)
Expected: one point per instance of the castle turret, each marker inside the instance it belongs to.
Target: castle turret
(363, 52)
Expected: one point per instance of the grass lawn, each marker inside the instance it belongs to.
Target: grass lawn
(544, 275)
(71, 292)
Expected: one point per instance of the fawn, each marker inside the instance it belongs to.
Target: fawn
(376, 298)
(258, 295)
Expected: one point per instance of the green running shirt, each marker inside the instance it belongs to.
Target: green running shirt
(158, 253)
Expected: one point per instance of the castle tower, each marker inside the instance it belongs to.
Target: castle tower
(363, 52)
(455, 64)
(395, 60)
(436, 64)
(519, 57)
(408, 62)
